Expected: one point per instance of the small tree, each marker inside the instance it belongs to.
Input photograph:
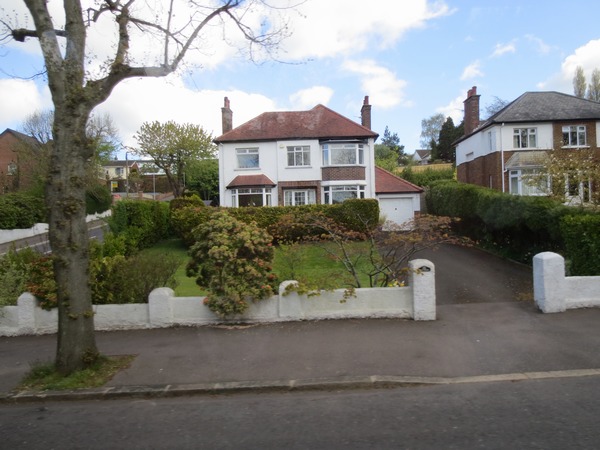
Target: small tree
(579, 84)
(233, 261)
(172, 147)
(445, 150)
(593, 92)
(430, 130)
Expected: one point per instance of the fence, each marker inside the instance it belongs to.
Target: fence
(416, 301)
(555, 292)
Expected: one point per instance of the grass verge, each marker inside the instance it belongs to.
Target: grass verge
(44, 377)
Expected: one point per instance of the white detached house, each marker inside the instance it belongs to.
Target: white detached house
(307, 157)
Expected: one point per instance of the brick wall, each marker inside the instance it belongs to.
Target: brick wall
(343, 173)
(484, 171)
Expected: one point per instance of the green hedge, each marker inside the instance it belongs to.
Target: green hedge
(517, 226)
(354, 214)
(581, 235)
(97, 199)
(18, 210)
(141, 223)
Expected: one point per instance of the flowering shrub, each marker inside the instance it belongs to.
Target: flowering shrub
(232, 260)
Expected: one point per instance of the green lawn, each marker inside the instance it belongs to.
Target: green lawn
(309, 263)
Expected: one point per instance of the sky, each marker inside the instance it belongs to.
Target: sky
(413, 58)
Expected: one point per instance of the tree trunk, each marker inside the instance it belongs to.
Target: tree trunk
(68, 235)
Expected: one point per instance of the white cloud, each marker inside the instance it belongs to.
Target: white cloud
(134, 102)
(381, 84)
(307, 98)
(337, 27)
(454, 109)
(586, 56)
(473, 70)
(20, 98)
(502, 49)
(540, 45)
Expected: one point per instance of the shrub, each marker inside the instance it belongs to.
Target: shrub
(232, 260)
(184, 202)
(97, 199)
(582, 243)
(425, 177)
(185, 220)
(14, 273)
(142, 222)
(19, 210)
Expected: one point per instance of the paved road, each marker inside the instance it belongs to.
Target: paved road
(541, 414)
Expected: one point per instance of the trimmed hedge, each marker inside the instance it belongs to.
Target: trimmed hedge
(517, 226)
(354, 214)
(581, 235)
(97, 199)
(141, 223)
(18, 210)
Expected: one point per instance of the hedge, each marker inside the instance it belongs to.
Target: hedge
(517, 226)
(354, 214)
(581, 235)
(18, 210)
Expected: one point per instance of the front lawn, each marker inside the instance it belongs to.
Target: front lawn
(309, 263)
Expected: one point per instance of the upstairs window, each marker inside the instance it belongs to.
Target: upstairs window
(298, 156)
(524, 138)
(574, 136)
(343, 154)
(247, 158)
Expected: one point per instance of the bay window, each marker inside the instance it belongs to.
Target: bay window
(337, 194)
(343, 154)
(251, 197)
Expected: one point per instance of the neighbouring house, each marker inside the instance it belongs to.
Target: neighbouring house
(507, 150)
(307, 157)
(422, 156)
(19, 160)
(118, 174)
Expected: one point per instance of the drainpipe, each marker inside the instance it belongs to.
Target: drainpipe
(502, 158)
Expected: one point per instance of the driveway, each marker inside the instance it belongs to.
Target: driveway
(470, 275)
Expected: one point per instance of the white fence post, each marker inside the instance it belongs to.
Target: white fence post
(549, 282)
(422, 280)
(159, 307)
(26, 313)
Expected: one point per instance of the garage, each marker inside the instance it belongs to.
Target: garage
(398, 199)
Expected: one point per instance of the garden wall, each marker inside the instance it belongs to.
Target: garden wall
(416, 301)
(555, 292)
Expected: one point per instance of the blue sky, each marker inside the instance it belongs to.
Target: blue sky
(412, 58)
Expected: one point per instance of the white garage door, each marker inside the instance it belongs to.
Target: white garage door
(398, 210)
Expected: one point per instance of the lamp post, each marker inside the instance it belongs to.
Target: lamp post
(126, 176)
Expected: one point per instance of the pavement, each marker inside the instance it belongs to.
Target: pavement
(473, 342)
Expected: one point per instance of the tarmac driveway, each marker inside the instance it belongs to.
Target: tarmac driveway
(470, 275)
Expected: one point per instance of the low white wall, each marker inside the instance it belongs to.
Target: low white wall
(416, 301)
(555, 292)
(38, 228)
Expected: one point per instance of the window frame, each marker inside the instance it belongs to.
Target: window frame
(265, 192)
(522, 137)
(328, 149)
(570, 131)
(329, 192)
(247, 151)
(522, 187)
(310, 197)
(295, 151)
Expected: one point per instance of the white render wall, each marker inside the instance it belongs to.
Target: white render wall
(416, 301)
(501, 140)
(554, 292)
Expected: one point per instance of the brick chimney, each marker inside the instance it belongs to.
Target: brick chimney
(227, 117)
(471, 121)
(365, 113)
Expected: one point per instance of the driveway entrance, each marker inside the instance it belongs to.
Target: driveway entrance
(470, 275)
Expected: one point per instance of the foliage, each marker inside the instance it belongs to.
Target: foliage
(20, 210)
(186, 201)
(185, 220)
(516, 226)
(444, 150)
(233, 261)
(97, 199)
(172, 147)
(389, 153)
(581, 234)
(203, 178)
(142, 223)
(593, 92)
(496, 106)
(41, 282)
(579, 83)
(425, 177)
(14, 273)
(430, 130)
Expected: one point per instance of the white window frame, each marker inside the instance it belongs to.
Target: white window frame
(11, 169)
(524, 137)
(330, 191)
(354, 150)
(296, 197)
(582, 191)
(246, 152)
(299, 154)
(519, 186)
(265, 192)
(576, 136)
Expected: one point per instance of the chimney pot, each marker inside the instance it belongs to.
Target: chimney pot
(226, 117)
(365, 113)
(471, 119)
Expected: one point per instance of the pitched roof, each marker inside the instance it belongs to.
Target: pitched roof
(250, 180)
(318, 123)
(388, 183)
(22, 137)
(542, 107)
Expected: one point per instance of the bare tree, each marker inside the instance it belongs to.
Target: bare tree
(76, 92)
(579, 84)
(593, 92)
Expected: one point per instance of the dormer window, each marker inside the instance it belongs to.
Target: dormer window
(574, 136)
(343, 154)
